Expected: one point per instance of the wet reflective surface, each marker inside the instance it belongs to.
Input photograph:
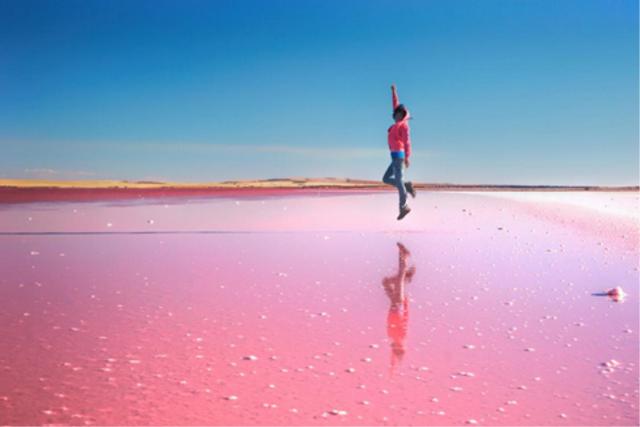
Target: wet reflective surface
(473, 310)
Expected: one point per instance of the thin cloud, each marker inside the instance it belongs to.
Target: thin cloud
(320, 151)
(58, 173)
(256, 148)
(324, 152)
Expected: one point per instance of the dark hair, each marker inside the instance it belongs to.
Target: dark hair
(400, 109)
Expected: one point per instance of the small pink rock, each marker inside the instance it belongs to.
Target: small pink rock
(617, 294)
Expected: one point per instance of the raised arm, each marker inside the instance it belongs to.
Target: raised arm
(394, 97)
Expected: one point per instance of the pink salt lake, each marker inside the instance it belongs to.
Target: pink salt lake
(482, 308)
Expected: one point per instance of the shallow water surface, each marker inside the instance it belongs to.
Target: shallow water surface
(476, 311)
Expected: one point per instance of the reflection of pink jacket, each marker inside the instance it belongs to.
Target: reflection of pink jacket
(398, 137)
(397, 321)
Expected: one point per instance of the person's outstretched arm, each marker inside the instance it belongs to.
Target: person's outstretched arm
(394, 97)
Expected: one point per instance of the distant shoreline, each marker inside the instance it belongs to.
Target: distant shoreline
(289, 183)
(24, 190)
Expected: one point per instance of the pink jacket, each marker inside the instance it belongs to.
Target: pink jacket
(398, 133)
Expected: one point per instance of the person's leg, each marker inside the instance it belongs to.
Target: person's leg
(409, 187)
(388, 176)
(397, 171)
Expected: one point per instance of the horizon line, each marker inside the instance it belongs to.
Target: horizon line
(302, 182)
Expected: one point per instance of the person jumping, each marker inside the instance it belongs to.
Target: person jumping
(400, 147)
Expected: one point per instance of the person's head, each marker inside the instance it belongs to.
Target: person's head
(399, 113)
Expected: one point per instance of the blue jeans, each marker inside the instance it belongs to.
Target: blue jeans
(393, 176)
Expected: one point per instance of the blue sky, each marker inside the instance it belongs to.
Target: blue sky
(505, 92)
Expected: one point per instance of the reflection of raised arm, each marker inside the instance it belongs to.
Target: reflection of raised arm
(394, 97)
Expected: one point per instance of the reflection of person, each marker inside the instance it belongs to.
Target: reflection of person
(400, 147)
(398, 315)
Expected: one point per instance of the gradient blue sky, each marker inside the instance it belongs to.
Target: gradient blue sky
(514, 91)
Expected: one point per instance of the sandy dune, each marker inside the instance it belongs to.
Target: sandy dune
(14, 191)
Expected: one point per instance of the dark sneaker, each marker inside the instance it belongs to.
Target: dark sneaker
(409, 187)
(404, 211)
